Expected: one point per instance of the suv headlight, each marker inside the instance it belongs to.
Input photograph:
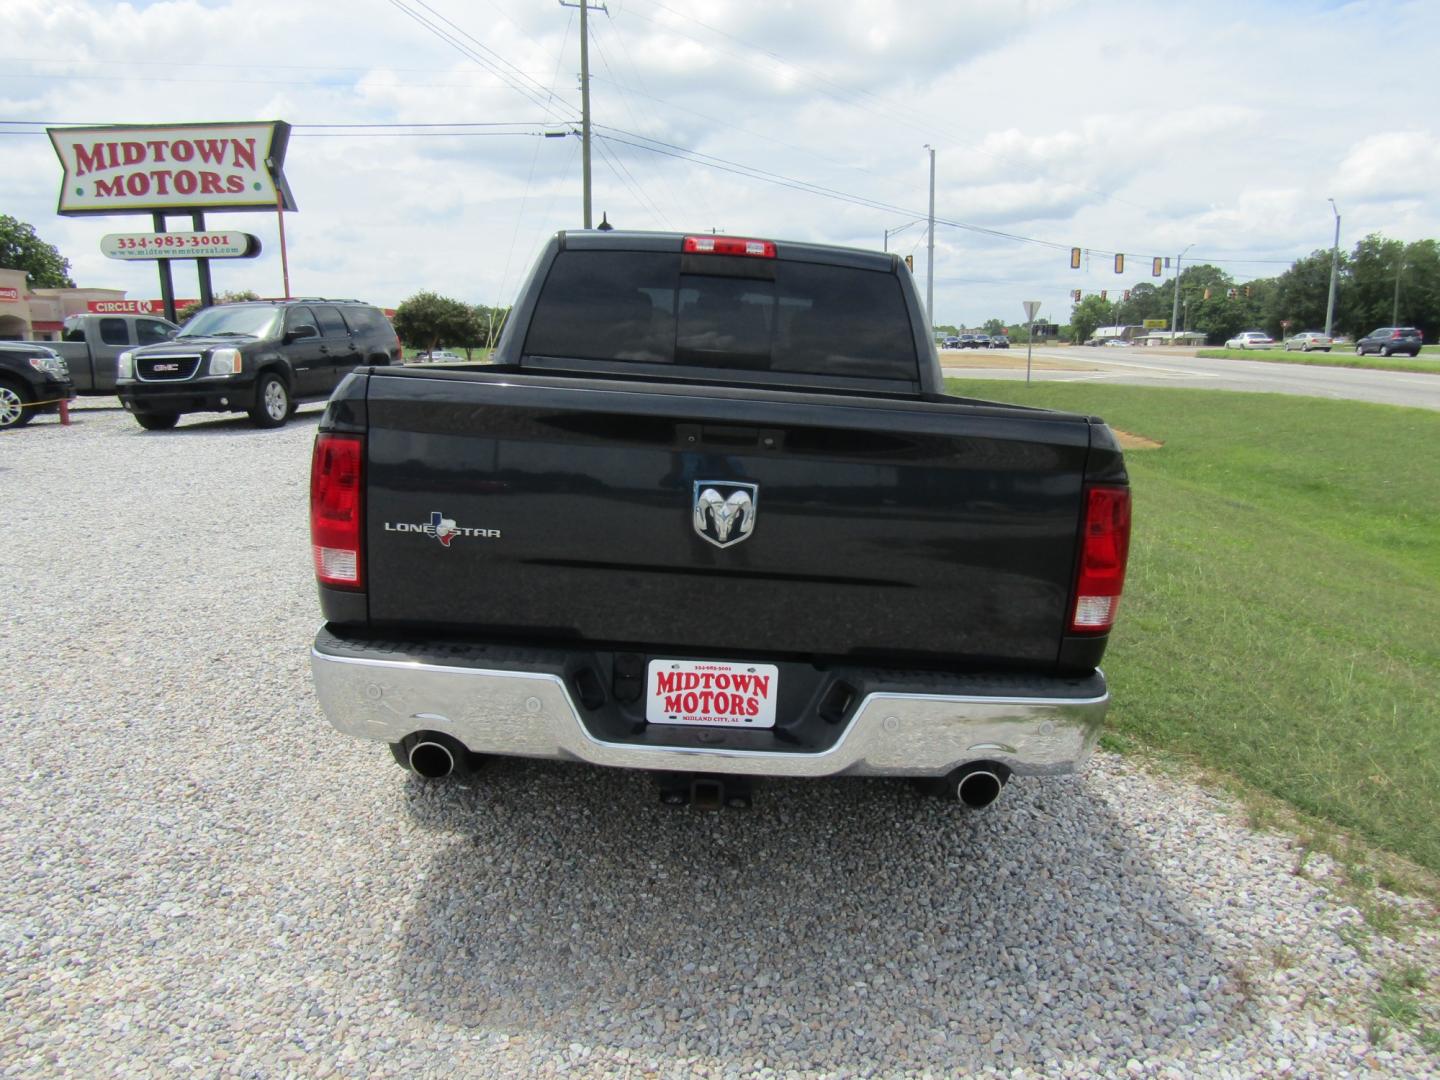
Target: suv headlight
(225, 362)
(125, 366)
(52, 365)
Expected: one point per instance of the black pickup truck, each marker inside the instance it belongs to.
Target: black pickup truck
(710, 513)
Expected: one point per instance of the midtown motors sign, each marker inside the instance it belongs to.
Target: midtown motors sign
(172, 168)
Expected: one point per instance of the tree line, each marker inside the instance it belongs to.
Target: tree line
(429, 321)
(1381, 282)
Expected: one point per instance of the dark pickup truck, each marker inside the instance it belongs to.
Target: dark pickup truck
(711, 514)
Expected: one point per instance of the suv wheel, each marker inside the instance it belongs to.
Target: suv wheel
(13, 413)
(1385, 350)
(1359, 350)
(157, 421)
(272, 402)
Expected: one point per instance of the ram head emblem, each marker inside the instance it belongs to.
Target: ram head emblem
(725, 512)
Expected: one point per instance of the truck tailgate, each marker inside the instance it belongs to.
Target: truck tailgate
(556, 510)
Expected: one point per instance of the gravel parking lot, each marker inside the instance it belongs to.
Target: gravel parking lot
(199, 877)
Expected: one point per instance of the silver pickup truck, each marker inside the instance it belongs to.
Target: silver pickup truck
(90, 345)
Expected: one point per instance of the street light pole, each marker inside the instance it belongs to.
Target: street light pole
(1175, 307)
(896, 231)
(1334, 273)
(930, 261)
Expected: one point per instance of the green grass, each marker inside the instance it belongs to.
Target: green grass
(1428, 362)
(1281, 622)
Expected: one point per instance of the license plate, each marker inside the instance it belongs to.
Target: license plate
(711, 693)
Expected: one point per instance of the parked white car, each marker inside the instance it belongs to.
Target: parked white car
(440, 356)
(1250, 339)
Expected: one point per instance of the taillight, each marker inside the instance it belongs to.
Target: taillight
(337, 518)
(1395, 335)
(1104, 549)
(728, 245)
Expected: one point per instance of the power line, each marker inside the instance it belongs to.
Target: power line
(548, 91)
(543, 98)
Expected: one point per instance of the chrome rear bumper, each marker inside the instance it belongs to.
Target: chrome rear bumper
(397, 689)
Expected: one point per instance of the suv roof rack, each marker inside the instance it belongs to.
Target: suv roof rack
(303, 300)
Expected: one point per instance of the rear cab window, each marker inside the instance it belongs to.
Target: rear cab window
(721, 313)
(151, 332)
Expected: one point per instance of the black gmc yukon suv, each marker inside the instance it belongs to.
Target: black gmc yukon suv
(712, 514)
(262, 357)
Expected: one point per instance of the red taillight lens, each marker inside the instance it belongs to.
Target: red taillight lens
(1395, 335)
(337, 516)
(728, 245)
(1104, 550)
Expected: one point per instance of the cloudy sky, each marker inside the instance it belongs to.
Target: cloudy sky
(1136, 127)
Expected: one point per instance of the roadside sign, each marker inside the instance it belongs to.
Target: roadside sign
(175, 168)
(1156, 324)
(132, 307)
(218, 244)
(1031, 307)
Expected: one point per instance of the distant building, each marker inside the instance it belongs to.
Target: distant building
(1165, 337)
(1122, 333)
(39, 314)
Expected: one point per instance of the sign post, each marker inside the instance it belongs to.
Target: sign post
(1031, 307)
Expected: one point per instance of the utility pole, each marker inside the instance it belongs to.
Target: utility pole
(1395, 311)
(930, 261)
(585, 6)
(1334, 273)
(1175, 307)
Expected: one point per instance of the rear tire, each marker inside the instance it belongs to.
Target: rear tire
(157, 421)
(1359, 351)
(1385, 351)
(272, 402)
(13, 411)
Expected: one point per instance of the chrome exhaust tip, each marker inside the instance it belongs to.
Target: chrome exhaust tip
(435, 756)
(978, 786)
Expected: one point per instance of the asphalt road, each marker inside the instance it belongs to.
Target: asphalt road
(1160, 367)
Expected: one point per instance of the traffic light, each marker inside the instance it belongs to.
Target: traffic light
(1119, 264)
(1207, 294)
(1155, 268)
(1075, 295)
(1074, 258)
(910, 263)
(1247, 292)
(1231, 294)
(1126, 294)
(1102, 294)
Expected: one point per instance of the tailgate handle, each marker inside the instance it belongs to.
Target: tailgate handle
(729, 437)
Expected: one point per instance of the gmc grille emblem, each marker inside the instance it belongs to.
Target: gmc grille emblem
(166, 367)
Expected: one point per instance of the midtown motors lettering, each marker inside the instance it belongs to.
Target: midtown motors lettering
(706, 692)
(140, 180)
(181, 167)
